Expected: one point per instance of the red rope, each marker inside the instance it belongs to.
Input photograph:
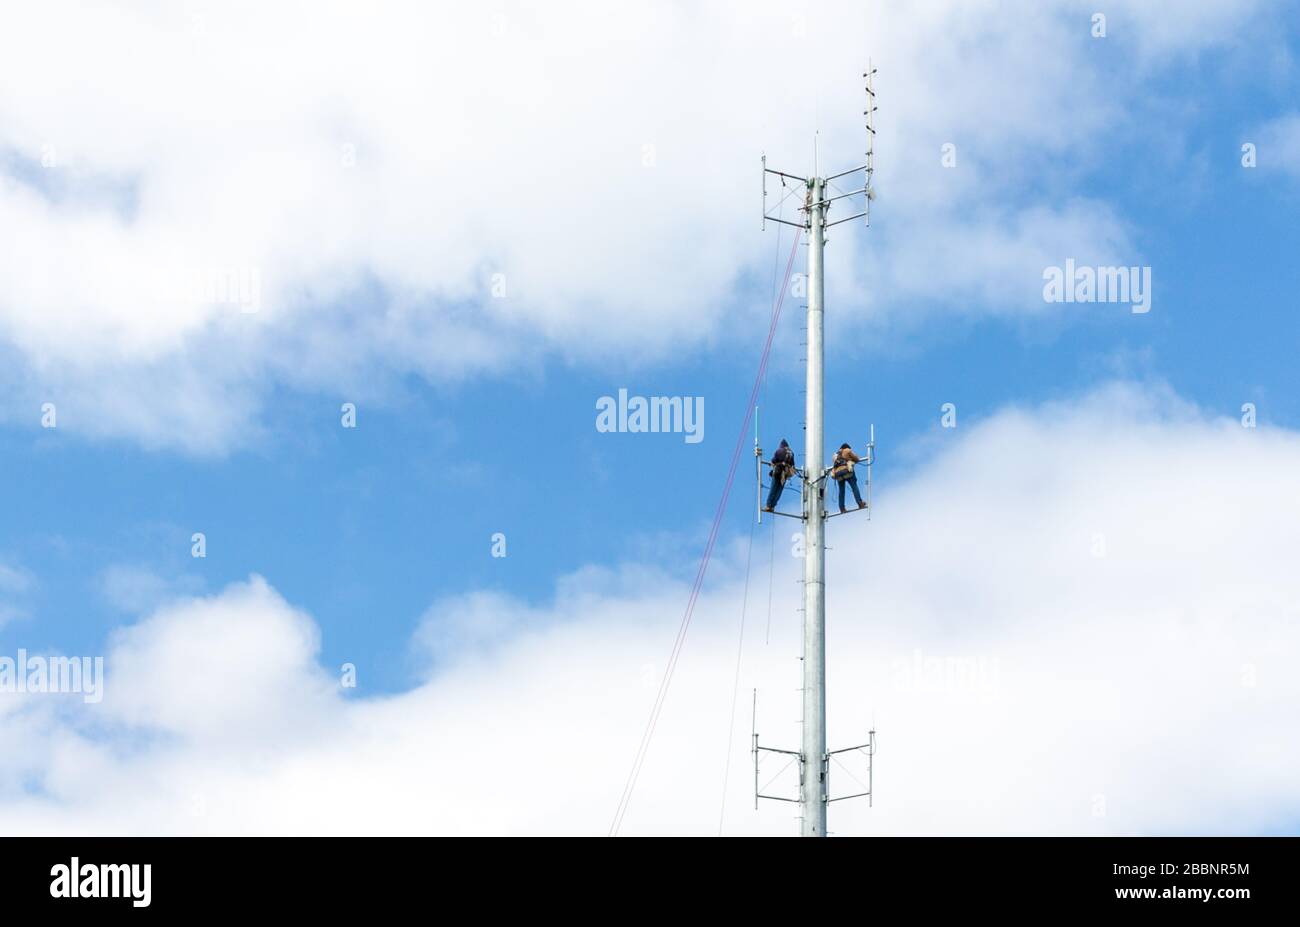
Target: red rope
(662, 694)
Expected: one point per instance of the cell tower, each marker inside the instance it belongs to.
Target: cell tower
(814, 760)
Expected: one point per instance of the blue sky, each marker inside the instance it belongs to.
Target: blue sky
(476, 418)
(366, 528)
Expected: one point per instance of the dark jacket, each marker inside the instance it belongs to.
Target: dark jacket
(783, 462)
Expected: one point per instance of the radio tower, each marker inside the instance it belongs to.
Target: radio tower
(814, 760)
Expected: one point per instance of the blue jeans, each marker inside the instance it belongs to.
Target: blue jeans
(852, 481)
(774, 494)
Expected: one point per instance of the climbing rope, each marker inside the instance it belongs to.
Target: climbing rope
(749, 556)
(662, 694)
(735, 685)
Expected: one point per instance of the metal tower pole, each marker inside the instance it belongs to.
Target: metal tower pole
(814, 772)
(813, 796)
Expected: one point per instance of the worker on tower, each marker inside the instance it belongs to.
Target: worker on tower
(782, 470)
(842, 472)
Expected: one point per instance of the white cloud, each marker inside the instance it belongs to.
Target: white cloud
(14, 579)
(137, 589)
(219, 149)
(1148, 675)
(15, 583)
(1279, 144)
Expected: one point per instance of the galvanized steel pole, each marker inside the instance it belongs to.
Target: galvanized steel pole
(813, 791)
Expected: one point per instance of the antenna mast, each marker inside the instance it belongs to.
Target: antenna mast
(814, 773)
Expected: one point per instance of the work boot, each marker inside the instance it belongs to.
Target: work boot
(862, 505)
(766, 509)
(841, 510)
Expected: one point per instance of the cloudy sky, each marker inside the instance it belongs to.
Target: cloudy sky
(1075, 612)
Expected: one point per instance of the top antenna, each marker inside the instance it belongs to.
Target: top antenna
(825, 196)
(870, 113)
